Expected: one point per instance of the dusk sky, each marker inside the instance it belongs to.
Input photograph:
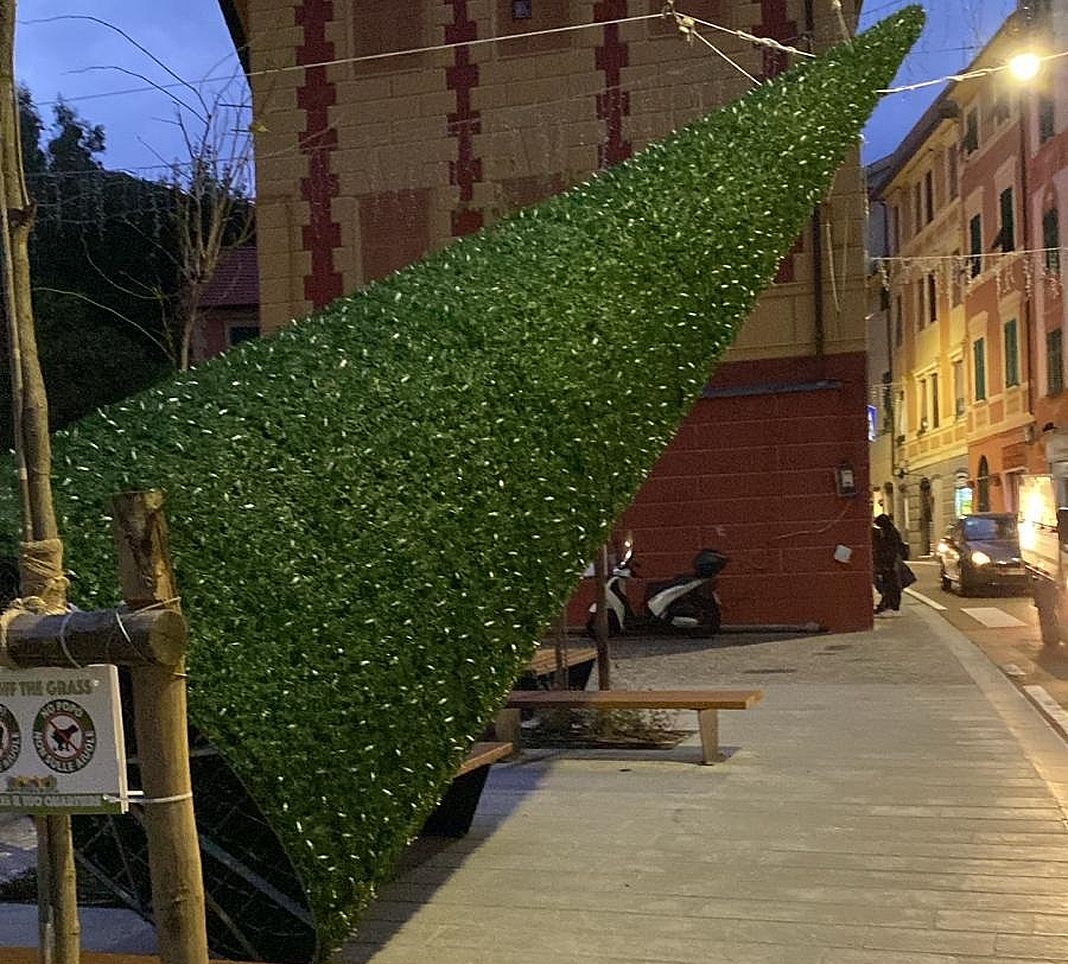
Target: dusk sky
(66, 56)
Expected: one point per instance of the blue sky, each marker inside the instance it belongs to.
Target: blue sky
(66, 56)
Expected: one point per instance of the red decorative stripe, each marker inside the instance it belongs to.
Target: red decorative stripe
(777, 26)
(463, 123)
(614, 104)
(322, 234)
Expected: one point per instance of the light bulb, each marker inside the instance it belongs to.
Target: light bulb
(1025, 66)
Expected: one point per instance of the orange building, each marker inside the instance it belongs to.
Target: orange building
(364, 165)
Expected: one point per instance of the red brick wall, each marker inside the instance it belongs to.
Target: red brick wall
(754, 476)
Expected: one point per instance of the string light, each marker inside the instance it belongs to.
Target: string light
(1031, 59)
(433, 48)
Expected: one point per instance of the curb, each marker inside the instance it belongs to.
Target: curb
(1054, 713)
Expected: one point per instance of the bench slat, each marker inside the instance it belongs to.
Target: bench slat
(544, 659)
(637, 699)
(483, 754)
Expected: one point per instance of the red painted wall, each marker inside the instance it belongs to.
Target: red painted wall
(754, 476)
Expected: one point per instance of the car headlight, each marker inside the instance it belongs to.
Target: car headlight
(980, 558)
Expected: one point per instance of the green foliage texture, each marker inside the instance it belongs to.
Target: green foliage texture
(375, 513)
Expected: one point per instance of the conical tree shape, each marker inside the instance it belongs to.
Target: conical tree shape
(375, 513)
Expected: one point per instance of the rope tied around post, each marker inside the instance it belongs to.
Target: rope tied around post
(44, 590)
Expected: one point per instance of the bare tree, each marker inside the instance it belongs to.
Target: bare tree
(212, 187)
(213, 211)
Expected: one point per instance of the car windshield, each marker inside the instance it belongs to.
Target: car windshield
(990, 529)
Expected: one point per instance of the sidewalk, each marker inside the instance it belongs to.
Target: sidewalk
(894, 800)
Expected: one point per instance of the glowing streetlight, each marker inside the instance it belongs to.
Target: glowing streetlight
(1025, 66)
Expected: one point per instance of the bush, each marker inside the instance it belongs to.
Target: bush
(375, 514)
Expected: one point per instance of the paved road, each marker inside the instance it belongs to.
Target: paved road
(1005, 627)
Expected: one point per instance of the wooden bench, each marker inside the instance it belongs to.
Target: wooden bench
(539, 671)
(30, 955)
(707, 703)
(453, 815)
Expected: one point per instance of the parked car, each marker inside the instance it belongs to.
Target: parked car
(981, 552)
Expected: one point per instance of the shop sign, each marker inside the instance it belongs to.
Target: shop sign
(61, 741)
(960, 479)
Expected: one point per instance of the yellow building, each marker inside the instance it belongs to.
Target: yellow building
(925, 329)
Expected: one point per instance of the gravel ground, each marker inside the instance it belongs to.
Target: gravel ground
(897, 651)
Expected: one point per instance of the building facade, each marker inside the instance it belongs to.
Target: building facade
(1046, 139)
(364, 165)
(924, 333)
(973, 279)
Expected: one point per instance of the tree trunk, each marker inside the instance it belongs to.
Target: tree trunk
(41, 558)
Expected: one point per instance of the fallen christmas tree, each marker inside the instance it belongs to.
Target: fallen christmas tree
(375, 513)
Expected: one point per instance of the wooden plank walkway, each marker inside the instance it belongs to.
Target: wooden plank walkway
(895, 799)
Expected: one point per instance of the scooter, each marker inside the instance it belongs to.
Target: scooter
(687, 603)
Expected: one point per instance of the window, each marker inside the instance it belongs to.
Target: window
(979, 359)
(975, 238)
(240, 333)
(1046, 119)
(923, 405)
(521, 9)
(928, 196)
(955, 293)
(1054, 362)
(935, 419)
(1012, 354)
(995, 529)
(899, 323)
(953, 172)
(970, 143)
(1007, 235)
(982, 479)
(917, 201)
(1002, 110)
(1051, 240)
(932, 299)
(895, 229)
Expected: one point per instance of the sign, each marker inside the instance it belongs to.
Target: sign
(873, 423)
(960, 479)
(61, 741)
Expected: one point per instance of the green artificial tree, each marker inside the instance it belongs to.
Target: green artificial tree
(376, 513)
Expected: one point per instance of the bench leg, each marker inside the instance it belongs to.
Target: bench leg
(508, 729)
(708, 724)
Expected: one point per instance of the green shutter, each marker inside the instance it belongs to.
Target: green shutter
(1012, 354)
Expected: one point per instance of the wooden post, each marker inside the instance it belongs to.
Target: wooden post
(560, 677)
(162, 739)
(600, 574)
(59, 931)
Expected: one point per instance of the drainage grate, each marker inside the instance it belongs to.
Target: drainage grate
(769, 671)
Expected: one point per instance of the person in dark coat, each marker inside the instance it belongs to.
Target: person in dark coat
(888, 550)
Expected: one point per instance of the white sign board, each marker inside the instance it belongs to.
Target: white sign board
(61, 744)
